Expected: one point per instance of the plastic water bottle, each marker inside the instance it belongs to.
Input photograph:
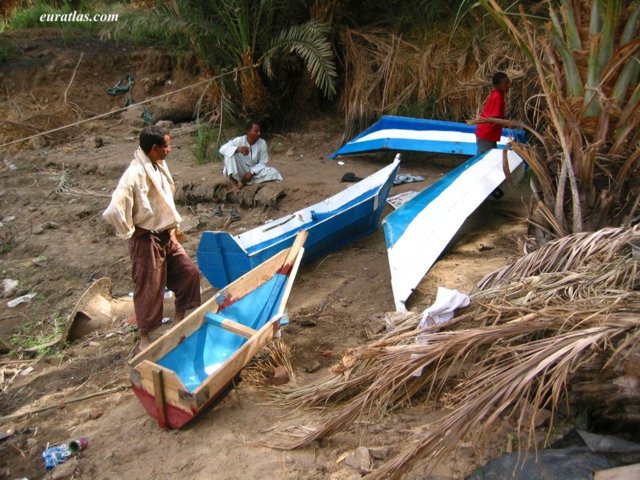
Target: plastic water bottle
(55, 455)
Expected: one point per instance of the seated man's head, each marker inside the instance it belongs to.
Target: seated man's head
(254, 130)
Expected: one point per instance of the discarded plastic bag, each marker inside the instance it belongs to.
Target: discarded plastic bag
(19, 300)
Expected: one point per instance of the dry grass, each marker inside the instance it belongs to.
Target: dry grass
(28, 117)
(259, 373)
(530, 330)
(438, 75)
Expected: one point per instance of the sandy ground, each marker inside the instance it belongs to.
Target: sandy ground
(55, 244)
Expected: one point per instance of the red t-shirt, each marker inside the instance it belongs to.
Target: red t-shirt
(494, 107)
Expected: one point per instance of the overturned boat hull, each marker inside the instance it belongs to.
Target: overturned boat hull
(418, 231)
(420, 135)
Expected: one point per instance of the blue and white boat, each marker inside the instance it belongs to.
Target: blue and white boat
(419, 230)
(420, 135)
(347, 216)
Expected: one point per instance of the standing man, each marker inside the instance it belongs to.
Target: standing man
(246, 158)
(142, 210)
(488, 132)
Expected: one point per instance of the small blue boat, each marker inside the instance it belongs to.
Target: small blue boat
(193, 364)
(420, 135)
(347, 216)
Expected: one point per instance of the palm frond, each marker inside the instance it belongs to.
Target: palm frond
(310, 42)
(529, 330)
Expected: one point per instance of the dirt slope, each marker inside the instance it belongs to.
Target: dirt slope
(54, 243)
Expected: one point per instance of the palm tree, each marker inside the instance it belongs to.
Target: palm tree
(251, 39)
(587, 59)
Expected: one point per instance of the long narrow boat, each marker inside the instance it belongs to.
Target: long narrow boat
(418, 231)
(420, 135)
(347, 216)
(190, 366)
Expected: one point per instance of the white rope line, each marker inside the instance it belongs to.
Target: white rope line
(234, 71)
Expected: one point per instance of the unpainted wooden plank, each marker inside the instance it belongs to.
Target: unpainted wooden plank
(158, 394)
(619, 473)
(172, 386)
(237, 328)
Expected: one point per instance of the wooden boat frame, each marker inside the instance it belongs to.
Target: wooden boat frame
(160, 390)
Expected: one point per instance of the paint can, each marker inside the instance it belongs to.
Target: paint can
(79, 444)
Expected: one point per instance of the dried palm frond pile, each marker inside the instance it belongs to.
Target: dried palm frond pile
(31, 118)
(534, 332)
(387, 73)
(260, 372)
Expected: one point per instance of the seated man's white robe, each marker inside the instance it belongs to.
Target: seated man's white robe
(237, 165)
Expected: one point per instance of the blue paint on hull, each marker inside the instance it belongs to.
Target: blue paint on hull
(397, 222)
(391, 122)
(196, 358)
(222, 259)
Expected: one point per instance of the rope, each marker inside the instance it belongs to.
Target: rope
(102, 115)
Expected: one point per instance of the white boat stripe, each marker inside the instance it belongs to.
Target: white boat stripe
(427, 135)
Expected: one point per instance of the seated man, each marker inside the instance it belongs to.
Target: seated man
(245, 159)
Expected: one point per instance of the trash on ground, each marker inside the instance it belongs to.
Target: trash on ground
(19, 300)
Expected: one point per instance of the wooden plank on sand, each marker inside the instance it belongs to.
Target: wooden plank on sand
(619, 473)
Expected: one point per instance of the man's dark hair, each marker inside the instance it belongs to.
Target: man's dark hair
(150, 136)
(498, 77)
(251, 123)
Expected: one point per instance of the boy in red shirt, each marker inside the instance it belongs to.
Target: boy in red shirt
(488, 132)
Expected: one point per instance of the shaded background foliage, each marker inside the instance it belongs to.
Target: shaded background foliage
(574, 69)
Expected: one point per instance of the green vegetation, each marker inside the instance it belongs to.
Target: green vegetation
(251, 48)
(587, 60)
(204, 143)
(39, 336)
(30, 17)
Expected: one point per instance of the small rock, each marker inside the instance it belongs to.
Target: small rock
(95, 413)
(289, 152)
(313, 366)
(38, 143)
(51, 225)
(10, 286)
(379, 453)
(64, 470)
(307, 322)
(280, 376)
(164, 124)
(32, 444)
(93, 142)
(360, 459)
(37, 230)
